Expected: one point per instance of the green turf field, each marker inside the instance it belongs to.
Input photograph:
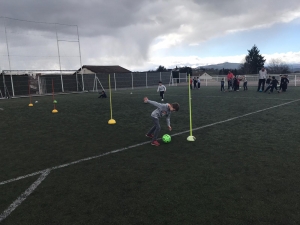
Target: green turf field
(243, 167)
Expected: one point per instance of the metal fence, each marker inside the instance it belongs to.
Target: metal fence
(16, 85)
(23, 85)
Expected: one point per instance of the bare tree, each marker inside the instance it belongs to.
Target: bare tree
(277, 66)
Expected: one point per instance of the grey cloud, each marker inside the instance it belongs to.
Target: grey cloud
(124, 30)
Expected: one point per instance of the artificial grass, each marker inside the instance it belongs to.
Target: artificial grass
(244, 171)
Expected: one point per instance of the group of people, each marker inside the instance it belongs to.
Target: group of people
(196, 82)
(234, 82)
(271, 82)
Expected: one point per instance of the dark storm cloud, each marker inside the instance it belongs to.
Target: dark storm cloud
(128, 32)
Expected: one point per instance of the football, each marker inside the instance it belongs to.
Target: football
(166, 138)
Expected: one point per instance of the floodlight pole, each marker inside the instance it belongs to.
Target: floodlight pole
(62, 84)
(80, 59)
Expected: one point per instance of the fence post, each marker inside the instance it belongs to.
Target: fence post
(131, 81)
(115, 81)
(159, 76)
(62, 83)
(39, 84)
(76, 81)
(295, 81)
(186, 77)
(206, 80)
(12, 85)
(146, 80)
(82, 80)
(94, 85)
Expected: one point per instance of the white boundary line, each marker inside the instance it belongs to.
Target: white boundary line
(23, 196)
(212, 96)
(137, 145)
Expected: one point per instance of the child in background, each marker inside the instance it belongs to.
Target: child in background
(222, 84)
(245, 84)
(161, 89)
(272, 85)
(284, 82)
(102, 95)
(198, 82)
(162, 110)
(235, 84)
(195, 82)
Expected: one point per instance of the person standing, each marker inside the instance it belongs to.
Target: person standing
(284, 82)
(222, 85)
(230, 77)
(198, 82)
(161, 89)
(245, 84)
(195, 83)
(262, 79)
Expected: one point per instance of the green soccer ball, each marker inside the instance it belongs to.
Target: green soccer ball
(166, 138)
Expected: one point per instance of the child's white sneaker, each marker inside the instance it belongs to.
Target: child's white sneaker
(162, 100)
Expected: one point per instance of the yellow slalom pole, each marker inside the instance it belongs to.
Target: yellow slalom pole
(111, 121)
(191, 137)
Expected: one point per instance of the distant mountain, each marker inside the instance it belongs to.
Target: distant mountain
(225, 65)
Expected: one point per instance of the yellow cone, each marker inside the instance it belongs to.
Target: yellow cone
(112, 121)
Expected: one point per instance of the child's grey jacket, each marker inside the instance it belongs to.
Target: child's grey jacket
(162, 110)
(161, 88)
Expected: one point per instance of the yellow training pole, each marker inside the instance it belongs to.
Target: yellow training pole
(191, 137)
(111, 121)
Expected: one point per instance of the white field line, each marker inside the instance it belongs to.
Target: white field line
(286, 99)
(23, 196)
(212, 96)
(237, 117)
(140, 144)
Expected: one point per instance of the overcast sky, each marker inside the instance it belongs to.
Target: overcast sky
(143, 34)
